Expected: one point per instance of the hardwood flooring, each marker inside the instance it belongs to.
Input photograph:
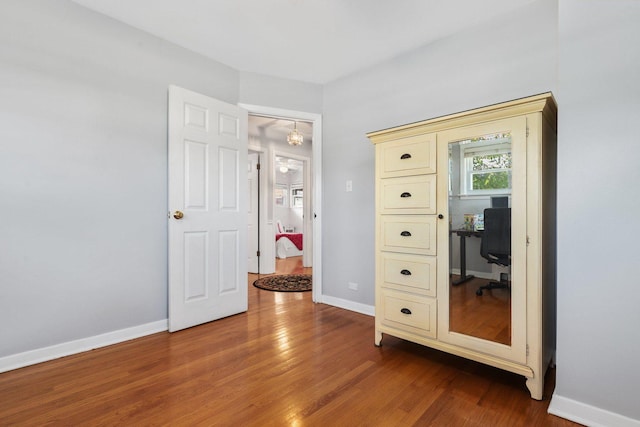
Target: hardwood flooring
(286, 362)
(487, 316)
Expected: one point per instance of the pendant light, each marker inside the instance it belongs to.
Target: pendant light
(294, 137)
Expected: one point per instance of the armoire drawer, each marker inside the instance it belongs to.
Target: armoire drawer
(408, 195)
(408, 312)
(408, 233)
(408, 156)
(411, 273)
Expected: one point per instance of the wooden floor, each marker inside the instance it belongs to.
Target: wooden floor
(487, 316)
(286, 362)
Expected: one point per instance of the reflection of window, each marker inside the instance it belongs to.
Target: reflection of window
(296, 197)
(486, 167)
(280, 194)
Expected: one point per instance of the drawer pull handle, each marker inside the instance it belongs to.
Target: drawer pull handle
(405, 311)
(405, 234)
(405, 273)
(405, 194)
(405, 156)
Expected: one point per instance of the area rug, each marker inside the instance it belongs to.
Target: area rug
(285, 283)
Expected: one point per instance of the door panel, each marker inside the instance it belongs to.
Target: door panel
(229, 180)
(229, 257)
(196, 253)
(253, 213)
(207, 244)
(196, 167)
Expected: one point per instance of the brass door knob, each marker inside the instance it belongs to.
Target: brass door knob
(178, 215)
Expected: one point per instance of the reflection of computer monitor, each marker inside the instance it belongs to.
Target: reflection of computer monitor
(500, 202)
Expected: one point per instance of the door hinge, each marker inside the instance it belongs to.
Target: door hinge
(258, 166)
(527, 349)
(528, 240)
(258, 253)
(527, 131)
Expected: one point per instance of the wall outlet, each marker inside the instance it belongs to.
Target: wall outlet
(349, 185)
(353, 286)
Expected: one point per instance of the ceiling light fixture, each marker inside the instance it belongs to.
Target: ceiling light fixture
(295, 137)
(284, 169)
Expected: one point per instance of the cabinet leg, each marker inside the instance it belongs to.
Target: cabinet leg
(535, 386)
(378, 339)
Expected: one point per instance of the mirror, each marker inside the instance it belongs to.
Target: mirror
(479, 206)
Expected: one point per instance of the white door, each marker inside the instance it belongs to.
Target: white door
(253, 201)
(207, 209)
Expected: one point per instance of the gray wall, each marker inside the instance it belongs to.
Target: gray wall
(258, 89)
(83, 164)
(511, 57)
(83, 167)
(598, 287)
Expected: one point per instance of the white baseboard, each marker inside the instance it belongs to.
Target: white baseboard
(349, 305)
(588, 415)
(45, 354)
(478, 274)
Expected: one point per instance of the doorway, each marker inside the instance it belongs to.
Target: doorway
(268, 130)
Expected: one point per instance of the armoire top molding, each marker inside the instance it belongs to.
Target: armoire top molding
(544, 103)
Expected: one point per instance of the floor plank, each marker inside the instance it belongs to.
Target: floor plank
(287, 361)
(487, 316)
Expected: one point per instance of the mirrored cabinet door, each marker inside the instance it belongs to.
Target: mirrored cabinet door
(482, 271)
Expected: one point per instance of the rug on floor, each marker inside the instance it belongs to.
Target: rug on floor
(285, 283)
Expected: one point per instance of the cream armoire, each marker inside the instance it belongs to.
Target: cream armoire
(439, 185)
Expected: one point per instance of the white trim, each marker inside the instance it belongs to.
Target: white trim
(45, 354)
(316, 203)
(588, 415)
(266, 262)
(479, 274)
(369, 310)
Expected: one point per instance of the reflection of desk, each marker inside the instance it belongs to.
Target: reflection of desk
(463, 234)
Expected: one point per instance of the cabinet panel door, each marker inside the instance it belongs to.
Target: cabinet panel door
(478, 163)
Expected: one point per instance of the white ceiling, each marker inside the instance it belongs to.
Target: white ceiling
(277, 129)
(291, 164)
(308, 40)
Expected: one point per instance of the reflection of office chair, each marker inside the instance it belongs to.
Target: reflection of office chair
(496, 243)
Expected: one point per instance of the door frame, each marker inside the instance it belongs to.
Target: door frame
(259, 199)
(316, 184)
(307, 220)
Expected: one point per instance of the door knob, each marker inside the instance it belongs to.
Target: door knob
(178, 215)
